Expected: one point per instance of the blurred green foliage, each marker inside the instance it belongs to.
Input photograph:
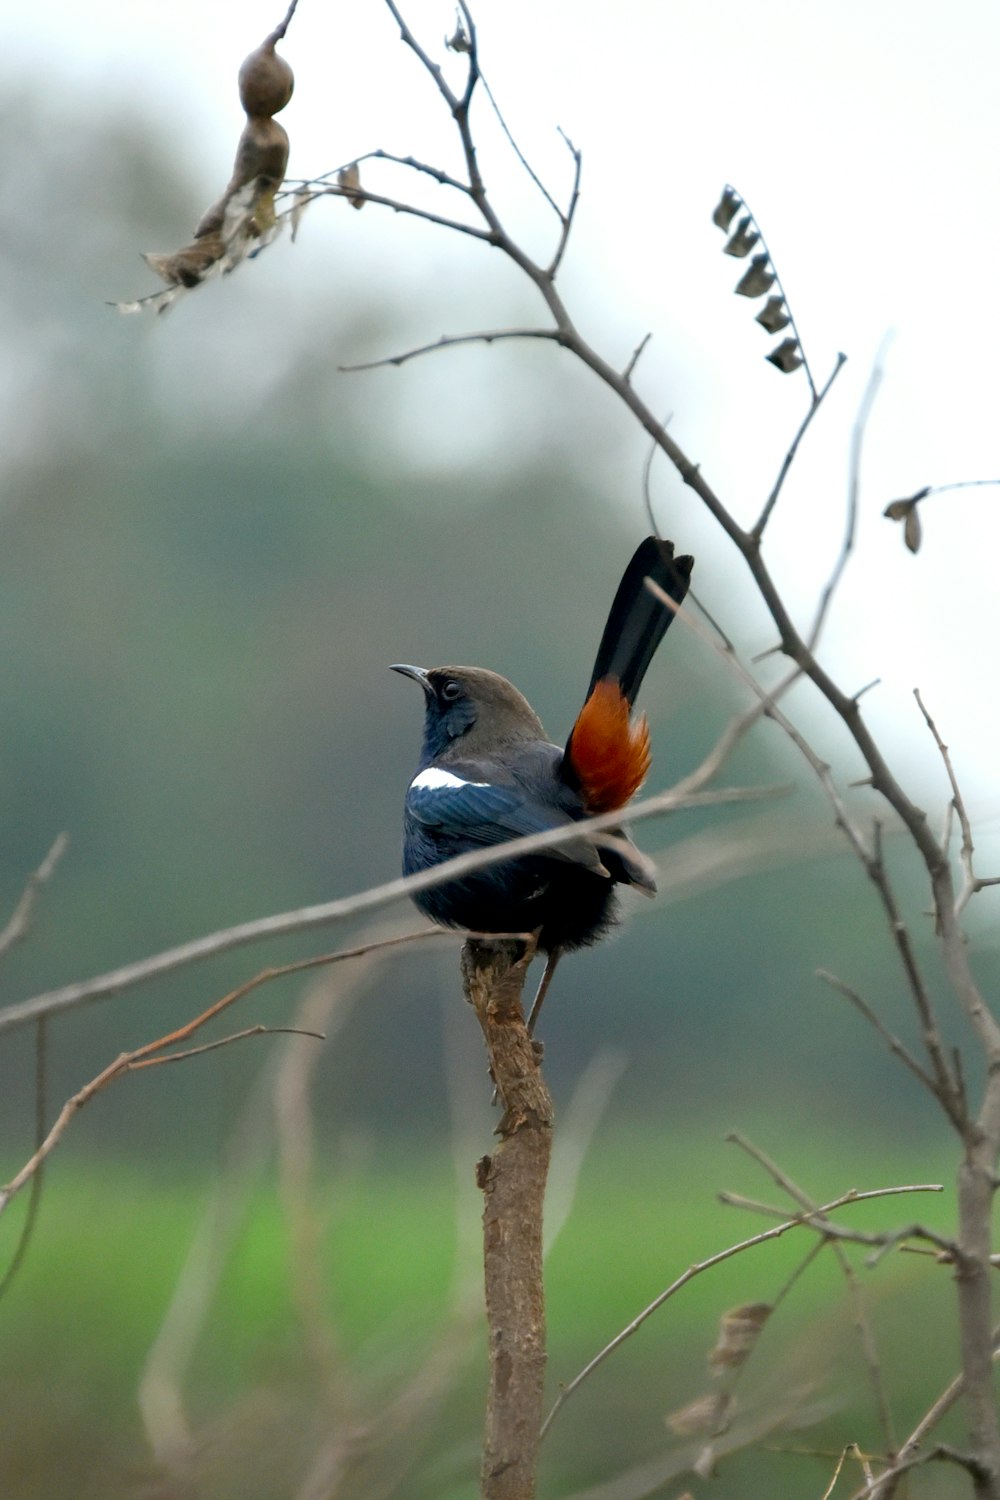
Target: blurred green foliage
(94, 1292)
(206, 563)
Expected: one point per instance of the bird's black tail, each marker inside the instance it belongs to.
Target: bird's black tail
(638, 621)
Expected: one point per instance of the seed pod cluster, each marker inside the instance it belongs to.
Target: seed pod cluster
(245, 211)
(759, 277)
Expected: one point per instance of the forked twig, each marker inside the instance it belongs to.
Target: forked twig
(799, 1221)
(146, 1055)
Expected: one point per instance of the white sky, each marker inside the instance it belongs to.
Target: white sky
(864, 136)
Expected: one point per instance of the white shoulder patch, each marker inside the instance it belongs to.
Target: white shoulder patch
(436, 780)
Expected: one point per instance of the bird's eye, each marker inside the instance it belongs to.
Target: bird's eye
(451, 690)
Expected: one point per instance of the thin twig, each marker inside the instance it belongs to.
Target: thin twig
(972, 884)
(19, 922)
(757, 530)
(765, 1236)
(853, 493)
(570, 214)
(767, 706)
(450, 341)
(539, 184)
(399, 207)
(816, 1218)
(898, 1048)
(132, 1061)
(885, 1484)
(35, 1196)
(627, 374)
(948, 1091)
(224, 1041)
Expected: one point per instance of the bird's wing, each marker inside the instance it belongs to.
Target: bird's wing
(483, 813)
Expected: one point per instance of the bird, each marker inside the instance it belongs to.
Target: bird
(488, 773)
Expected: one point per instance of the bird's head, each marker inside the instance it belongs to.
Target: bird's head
(471, 711)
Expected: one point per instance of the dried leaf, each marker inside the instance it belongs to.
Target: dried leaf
(739, 1330)
(786, 357)
(300, 202)
(898, 510)
(705, 1414)
(906, 511)
(743, 241)
(912, 530)
(773, 315)
(756, 279)
(726, 209)
(349, 178)
(187, 267)
(157, 302)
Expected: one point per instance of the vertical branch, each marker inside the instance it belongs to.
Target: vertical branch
(513, 1184)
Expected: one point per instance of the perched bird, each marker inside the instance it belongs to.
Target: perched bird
(488, 773)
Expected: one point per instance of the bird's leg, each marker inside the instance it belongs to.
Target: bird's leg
(543, 988)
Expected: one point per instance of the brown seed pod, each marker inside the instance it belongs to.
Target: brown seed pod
(262, 152)
(266, 81)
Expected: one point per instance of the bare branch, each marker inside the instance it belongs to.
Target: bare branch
(972, 885)
(949, 1090)
(892, 1042)
(447, 94)
(627, 374)
(450, 341)
(539, 184)
(570, 214)
(305, 918)
(886, 1484)
(140, 1057)
(35, 1196)
(758, 529)
(699, 1267)
(19, 921)
(398, 206)
(513, 1184)
(225, 1041)
(854, 487)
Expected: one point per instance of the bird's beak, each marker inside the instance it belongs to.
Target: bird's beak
(418, 674)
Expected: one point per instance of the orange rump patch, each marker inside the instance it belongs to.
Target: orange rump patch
(609, 753)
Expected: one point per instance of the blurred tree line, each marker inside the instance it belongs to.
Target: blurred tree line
(200, 595)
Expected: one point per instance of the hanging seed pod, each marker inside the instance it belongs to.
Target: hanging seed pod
(786, 357)
(773, 315)
(245, 214)
(262, 152)
(757, 279)
(266, 81)
(743, 241)
(726, 209)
